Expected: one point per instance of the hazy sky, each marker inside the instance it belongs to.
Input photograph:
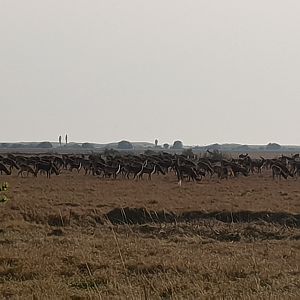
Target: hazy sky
(199, 71)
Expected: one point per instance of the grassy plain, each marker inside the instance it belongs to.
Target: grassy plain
(57, 241)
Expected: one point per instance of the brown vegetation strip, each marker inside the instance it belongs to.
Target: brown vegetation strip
(142, 216)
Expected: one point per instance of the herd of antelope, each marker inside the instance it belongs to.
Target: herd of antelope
(135, 166)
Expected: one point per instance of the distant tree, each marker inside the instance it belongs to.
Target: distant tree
(88, 146)
(156, 142)
(214, 147)
(4, 145)
(16, 145)
(166, 146)
(273, 146)
(199, 148)
(125, 145)
(30, 145)
(177, 145)
(44, 145)
(74, 146)
(242, 148)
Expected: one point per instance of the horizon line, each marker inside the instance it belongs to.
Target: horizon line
(135, 142)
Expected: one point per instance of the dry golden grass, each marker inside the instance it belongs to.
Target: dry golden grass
(57, 244)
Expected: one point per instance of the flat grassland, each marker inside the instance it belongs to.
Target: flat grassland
(67, 238)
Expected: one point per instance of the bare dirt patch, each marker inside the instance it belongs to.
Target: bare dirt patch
(129, 215)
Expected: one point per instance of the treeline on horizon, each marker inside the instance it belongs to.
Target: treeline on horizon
(126, 145)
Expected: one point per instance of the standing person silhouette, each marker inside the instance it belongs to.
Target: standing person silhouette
(59, 140)
(66, 139)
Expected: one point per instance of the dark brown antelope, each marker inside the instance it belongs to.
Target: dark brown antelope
(26, 168)
(4, 169)
(155, 168)
(49, 168)
(10, 163)
(277, 172)
(183, 171)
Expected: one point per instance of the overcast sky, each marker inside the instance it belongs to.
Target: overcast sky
(199, 71)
